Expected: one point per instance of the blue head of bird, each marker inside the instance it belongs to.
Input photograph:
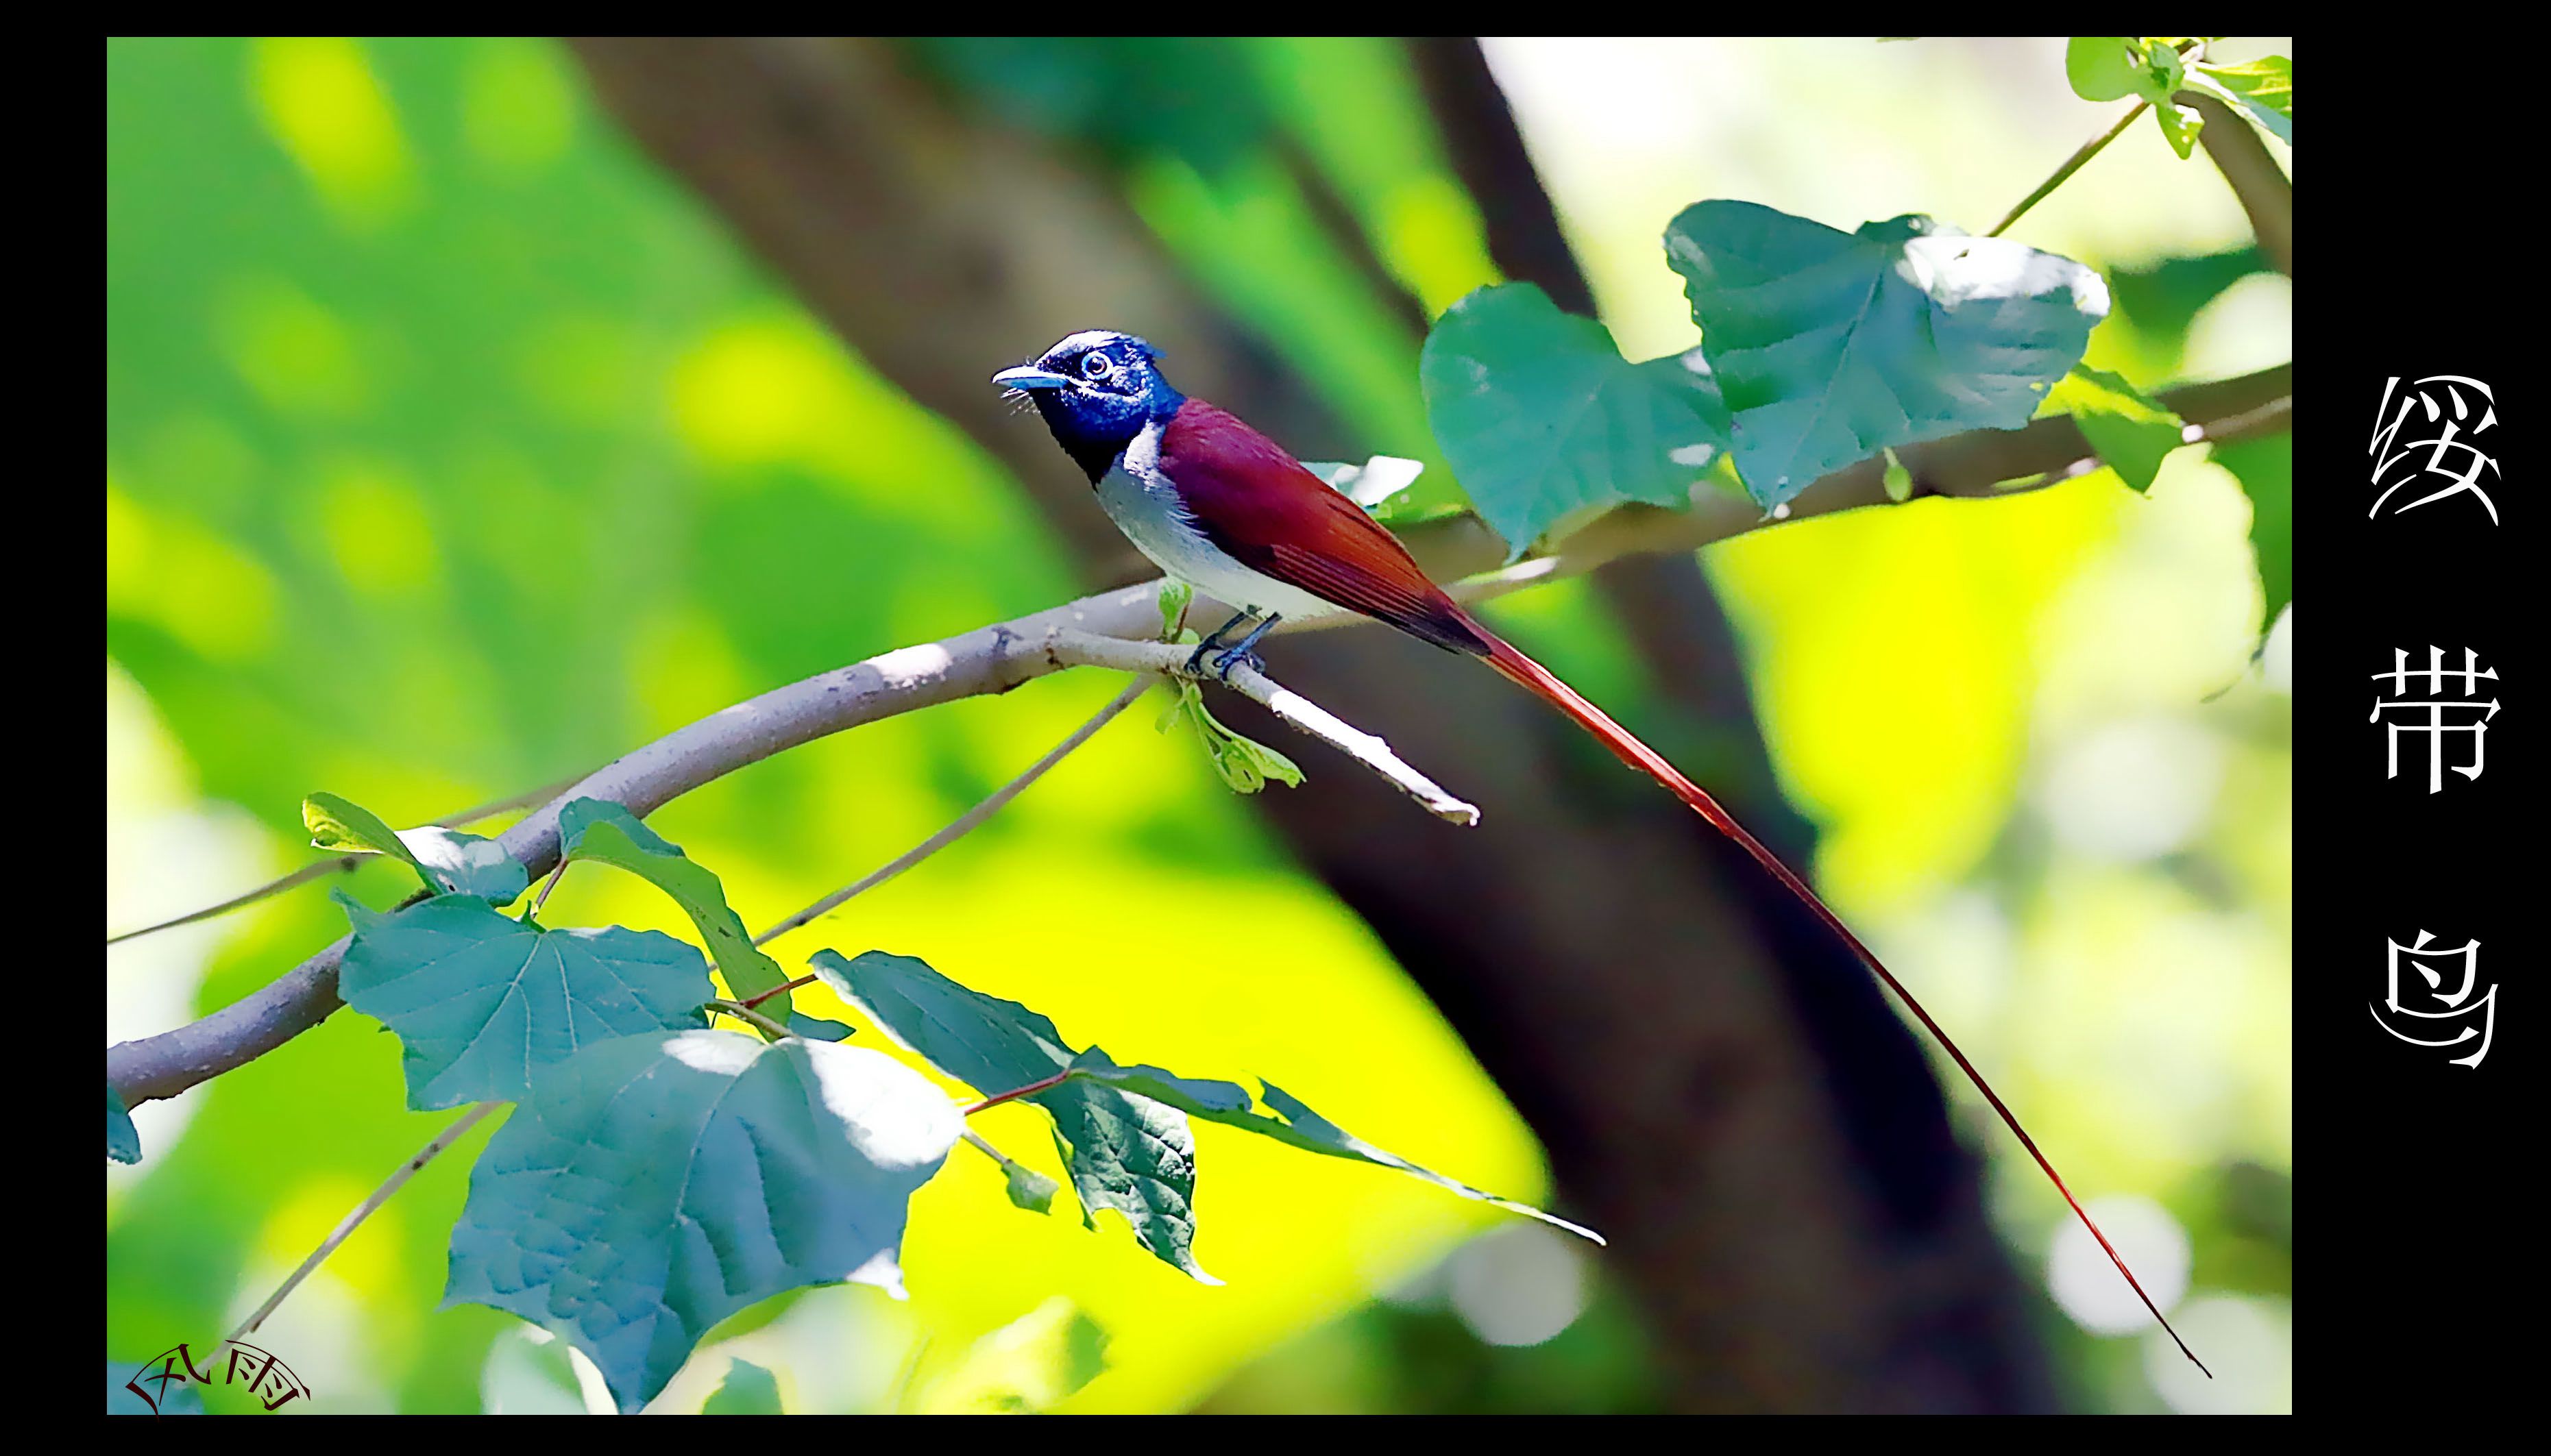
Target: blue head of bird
(1096, 389)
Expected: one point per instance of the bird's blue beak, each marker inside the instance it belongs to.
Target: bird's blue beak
(1029, 377)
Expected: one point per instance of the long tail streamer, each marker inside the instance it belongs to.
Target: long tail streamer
(1521, 670)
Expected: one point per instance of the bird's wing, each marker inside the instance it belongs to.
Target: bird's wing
(1259, 505)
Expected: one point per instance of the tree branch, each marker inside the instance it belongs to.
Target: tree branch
(2267, 194)
(997, 658)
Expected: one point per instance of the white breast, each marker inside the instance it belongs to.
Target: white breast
(1146, 507)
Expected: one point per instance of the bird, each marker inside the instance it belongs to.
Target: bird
(1219, 506)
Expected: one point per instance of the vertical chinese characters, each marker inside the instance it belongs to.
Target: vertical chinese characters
(2448, 454)
(2456, 1004)
(2445, 716)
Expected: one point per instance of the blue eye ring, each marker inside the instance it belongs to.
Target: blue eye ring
(1097, 365)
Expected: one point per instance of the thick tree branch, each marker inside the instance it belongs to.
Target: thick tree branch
(997, 658)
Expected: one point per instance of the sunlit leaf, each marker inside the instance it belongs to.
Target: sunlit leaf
(651, 1186)
(1025, 1366)
(2130, 433)
(2263, 87)
(1027, 1187)
(448, 860)
(483, 1001)
(1829, 345)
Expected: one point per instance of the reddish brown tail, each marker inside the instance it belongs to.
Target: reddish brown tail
(1522, 670)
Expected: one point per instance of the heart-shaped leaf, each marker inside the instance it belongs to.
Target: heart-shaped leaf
(481, 1002)
(654, 1185)
(1542, 419)
(1830, 346)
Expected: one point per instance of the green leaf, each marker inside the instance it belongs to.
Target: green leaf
(1829, 345)
(1027, 1365)
(817, 1028)
(2180, 123)
(2266, 469)
(1229, 1103)
(1542, 419)
(1244, 764)
(2109, 67)
(2103, 68)
(481, 1002)
(2131, 434)
(2163, 298)
(749, 1390)
(448, 860)
(2263, 87)
(608, 833)
(1174, 597)
(123, 1141)
(654, 1185)
(1122, 1152)
(1027, 1187)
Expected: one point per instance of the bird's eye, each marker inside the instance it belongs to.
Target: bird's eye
(1097, 366)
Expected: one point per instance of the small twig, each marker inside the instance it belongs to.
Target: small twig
(783, 989)
(1015, 1093)
(343, 863)
(1067, 646)
(959, 827)
(747, 1014)
(2090, 149)
(978, 1142)
(362, 1211)
(547, 886)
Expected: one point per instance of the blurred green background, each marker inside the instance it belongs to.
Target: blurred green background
(452, 448)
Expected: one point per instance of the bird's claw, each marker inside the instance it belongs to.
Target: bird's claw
(1230, 658)
(1216, 663)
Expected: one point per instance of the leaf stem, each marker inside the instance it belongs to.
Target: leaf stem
(747, 1014)
(1015, 1093)
(362, 1211)
(783, 989)
(2075, 164)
